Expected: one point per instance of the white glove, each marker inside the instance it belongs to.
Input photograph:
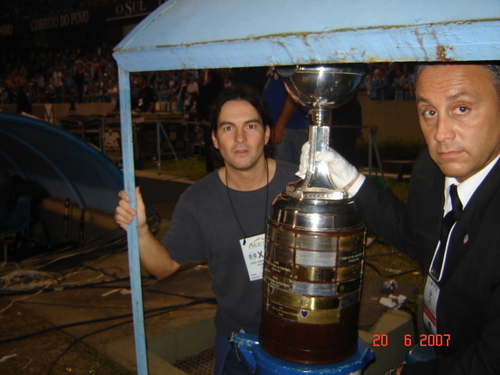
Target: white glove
(343, 174)
(304, 161)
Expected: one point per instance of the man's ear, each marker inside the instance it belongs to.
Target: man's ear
(214, 140)
(267, 134)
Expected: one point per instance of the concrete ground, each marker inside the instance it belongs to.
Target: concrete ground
(178, 311)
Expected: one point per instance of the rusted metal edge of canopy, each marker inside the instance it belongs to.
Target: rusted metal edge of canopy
(438, 42)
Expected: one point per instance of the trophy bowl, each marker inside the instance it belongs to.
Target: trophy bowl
(321, 88)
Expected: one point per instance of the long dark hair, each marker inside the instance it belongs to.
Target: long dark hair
(250, 95)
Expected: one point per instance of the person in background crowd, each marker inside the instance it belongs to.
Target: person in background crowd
(291, 120)
(212, 85)
(147, 97)
(16, 90)
(192, 93)
(58, 84)
(79, 79)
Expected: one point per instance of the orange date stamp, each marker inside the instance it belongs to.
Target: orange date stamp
(408, 340)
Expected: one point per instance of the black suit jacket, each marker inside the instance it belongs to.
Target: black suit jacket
(469, 302)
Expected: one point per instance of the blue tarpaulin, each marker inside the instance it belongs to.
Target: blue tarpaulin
(58, 163)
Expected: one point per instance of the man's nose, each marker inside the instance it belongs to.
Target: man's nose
(240, 135)
(444, 129)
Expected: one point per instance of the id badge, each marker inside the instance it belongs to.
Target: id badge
(253, 253)
(431, 296)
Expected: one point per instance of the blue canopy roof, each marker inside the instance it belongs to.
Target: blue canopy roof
(60, 163)
(183, 34)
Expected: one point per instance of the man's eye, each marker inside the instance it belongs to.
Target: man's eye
(462, 109)
(429, 113)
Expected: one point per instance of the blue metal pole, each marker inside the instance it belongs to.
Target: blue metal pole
(132, 236)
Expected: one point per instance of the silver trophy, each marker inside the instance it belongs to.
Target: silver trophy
(321, 88)
(315, 241)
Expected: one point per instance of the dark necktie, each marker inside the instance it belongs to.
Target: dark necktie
(450, 218)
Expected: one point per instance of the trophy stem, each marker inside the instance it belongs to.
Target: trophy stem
(320, 116)
(319, 140)
(316, 184)
(318, 174)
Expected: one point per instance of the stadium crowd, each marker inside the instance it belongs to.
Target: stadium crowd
(74, 75)
(390, 81)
